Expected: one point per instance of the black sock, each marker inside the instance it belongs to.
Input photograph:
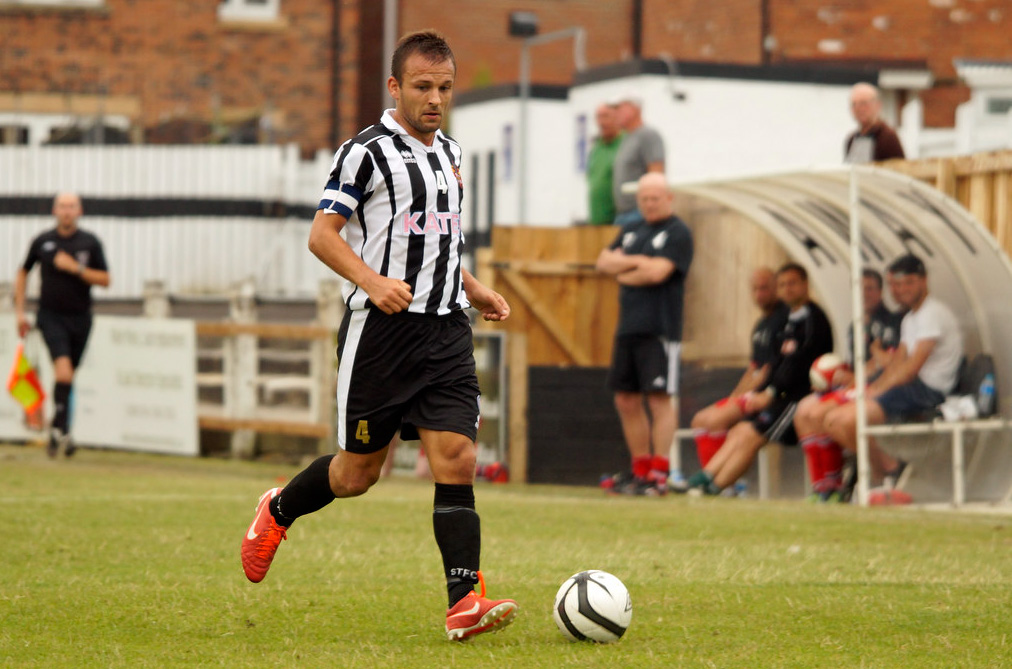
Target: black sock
(309, 491)
(61, 405)
(458, 535)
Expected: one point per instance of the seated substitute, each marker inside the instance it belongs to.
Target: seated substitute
(924, 369)
(824, 456)
(711, 423)
(769, 410)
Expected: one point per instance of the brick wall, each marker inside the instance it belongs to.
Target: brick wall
(180, 62)
(847, 31)
(477, 30)
(176, 63)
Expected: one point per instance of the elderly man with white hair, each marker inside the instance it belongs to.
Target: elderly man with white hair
(650, 260)
(873, 140)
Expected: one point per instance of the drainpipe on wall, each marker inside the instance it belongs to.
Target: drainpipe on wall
(637, 29)
(335, 77)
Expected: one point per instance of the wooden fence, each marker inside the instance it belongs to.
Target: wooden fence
(568, 312)
(982, 183)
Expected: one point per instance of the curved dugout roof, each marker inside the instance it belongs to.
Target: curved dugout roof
(809, 215)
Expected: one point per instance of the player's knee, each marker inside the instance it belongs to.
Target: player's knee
(700, 421)
(628, 402)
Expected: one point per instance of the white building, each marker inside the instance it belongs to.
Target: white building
(717, 121)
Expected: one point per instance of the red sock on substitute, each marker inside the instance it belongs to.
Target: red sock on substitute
(708, 444)
(813, 456)
(659, 467)
(831, 457)
(641, 465)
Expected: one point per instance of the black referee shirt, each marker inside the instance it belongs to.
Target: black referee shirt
(63, 292)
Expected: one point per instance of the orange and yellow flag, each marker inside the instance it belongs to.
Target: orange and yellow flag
(23, 383)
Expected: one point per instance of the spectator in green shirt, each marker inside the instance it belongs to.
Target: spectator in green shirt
(599, 166)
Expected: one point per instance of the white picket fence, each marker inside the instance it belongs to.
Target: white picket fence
(191, 254)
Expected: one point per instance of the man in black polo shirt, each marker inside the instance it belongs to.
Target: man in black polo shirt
(71, 262)
(650, 260)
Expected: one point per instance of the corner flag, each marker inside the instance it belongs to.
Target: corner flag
(23, 383)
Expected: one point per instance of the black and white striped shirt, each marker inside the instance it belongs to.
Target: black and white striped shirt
(402, 201)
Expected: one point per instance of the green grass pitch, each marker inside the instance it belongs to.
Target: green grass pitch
(126, 560)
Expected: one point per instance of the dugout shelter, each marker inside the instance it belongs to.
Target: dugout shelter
(809, 215)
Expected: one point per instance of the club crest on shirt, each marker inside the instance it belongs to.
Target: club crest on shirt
(658, 241)
(48, 246)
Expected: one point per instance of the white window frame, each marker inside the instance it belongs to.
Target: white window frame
(244, 10)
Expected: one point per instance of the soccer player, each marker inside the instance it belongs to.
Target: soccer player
(650, 260)
(710, 424)
(769, 410)
(824, 456)
(405, 344)
(71, 262)
(924, 369)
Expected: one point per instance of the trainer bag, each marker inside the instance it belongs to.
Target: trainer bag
(23, 384)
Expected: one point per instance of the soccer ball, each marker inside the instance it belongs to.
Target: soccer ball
(593, 606)
(823, 370)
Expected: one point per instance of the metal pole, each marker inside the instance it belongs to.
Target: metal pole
(389, 41)
(579, 36)
(521, 149)
(857, 315)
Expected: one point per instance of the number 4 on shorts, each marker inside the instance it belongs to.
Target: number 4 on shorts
(362, 433)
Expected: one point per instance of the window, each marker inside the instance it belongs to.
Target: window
(248, 10)
(999, 106)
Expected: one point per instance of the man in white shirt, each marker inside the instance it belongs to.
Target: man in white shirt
(924, 369)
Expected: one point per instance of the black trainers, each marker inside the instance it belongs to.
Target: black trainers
(848, 479)
(699, 480)
(616, 482)
(53, 446)
(893, 477)
(69, 447)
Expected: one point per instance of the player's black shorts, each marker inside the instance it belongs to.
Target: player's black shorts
(404, 371)
(66, 335)
(644, 364)
(776, 422)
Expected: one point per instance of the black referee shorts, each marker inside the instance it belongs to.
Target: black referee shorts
(776, 422)
(66, 335)
(404, 372)
(644, 364)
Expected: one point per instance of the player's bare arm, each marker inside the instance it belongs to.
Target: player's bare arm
(904, 368)
(325, 242)
(491, 305)
(647, 271)
(614, 262)
(19, 302)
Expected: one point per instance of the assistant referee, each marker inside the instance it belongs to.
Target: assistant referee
(71, 261)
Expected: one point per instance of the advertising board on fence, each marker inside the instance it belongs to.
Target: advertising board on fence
(135, 390)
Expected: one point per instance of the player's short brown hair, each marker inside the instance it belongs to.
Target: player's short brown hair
(428, 43)
(793, 267)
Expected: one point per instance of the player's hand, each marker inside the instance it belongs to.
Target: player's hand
(388, 295)
(66, 262)
(491, 305)
(23, 326)
(756, 402)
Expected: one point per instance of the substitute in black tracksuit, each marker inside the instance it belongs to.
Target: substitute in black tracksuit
(770, 409)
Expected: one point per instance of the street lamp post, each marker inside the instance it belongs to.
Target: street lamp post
(525, 24)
